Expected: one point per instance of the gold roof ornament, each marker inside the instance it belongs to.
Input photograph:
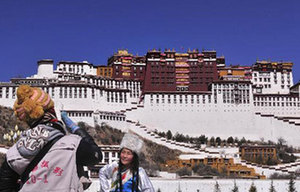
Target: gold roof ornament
(122, 52)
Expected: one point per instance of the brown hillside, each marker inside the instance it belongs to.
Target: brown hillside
(8, 122)
(153, 156)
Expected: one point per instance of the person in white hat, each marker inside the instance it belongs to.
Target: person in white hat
(126, 175)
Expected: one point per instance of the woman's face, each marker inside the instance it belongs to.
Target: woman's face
(126, 156)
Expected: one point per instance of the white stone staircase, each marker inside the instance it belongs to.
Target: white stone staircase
(287, 119)
(288, 168)
(150, 134)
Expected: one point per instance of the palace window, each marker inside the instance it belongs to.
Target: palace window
(80, 92)
(112, 97)
(14, 92)
(52, 89)
(121, 97)
(65, 92)
(75, 92)
(93, 93)
(60, 92)
(70, 92)
(116, 97)
(85, 92)
(7, 92)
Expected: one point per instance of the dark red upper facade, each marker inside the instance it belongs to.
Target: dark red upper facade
(168, 71)
(172, 71)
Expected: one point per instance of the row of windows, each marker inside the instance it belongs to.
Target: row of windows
(109, 83)
(233, 91)
(232, 85)
(192, 99)
(172, 63)
(117, 84)
(80, 114)
(113, 154)
(268, 80)
(277, 104)
(112, 117)
(6, 92)
(276, 98)
(118, 97)
(162, 73)
(134, 68)
(229, 96)
(190, 68)
(262, 79)
(254, 155)
(134, 74)
(36, 82)
(236, 101)
(64, 92)
(268, 74)
(67, 92)
(260, 150)
(71, 70)
(157, 83)
(164, 80)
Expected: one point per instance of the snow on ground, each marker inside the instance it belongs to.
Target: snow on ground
(297, 154)
(207, 185)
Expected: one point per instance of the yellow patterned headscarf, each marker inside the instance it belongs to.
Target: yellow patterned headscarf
(31, 103)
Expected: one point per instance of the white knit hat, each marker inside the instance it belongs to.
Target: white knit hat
(132, 142)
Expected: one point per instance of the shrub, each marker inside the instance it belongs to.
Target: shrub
(272, 188)
(235, 188)
(184, 171)
(252, 188)
(217, 187)
(292, 187)
(201, 169)
(279, 176)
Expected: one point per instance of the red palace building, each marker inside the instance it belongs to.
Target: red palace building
(172, 71)
(126, 66)
(168, 71)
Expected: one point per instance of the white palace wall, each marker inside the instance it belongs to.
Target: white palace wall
(186, 114)
(229, 109)
(211, 119)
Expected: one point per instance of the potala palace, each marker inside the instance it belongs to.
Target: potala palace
(192, 93)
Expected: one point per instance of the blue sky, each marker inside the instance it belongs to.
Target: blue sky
(93, 30)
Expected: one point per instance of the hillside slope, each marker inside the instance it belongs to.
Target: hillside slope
(153, 155)
(151, 158)
(8, 122)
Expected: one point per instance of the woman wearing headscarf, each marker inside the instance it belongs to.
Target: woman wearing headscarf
(126, 175)
(46, 157)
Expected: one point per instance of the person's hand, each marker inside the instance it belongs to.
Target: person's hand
(68, 122)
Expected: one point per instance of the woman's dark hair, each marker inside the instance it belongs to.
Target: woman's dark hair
(134, 167)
